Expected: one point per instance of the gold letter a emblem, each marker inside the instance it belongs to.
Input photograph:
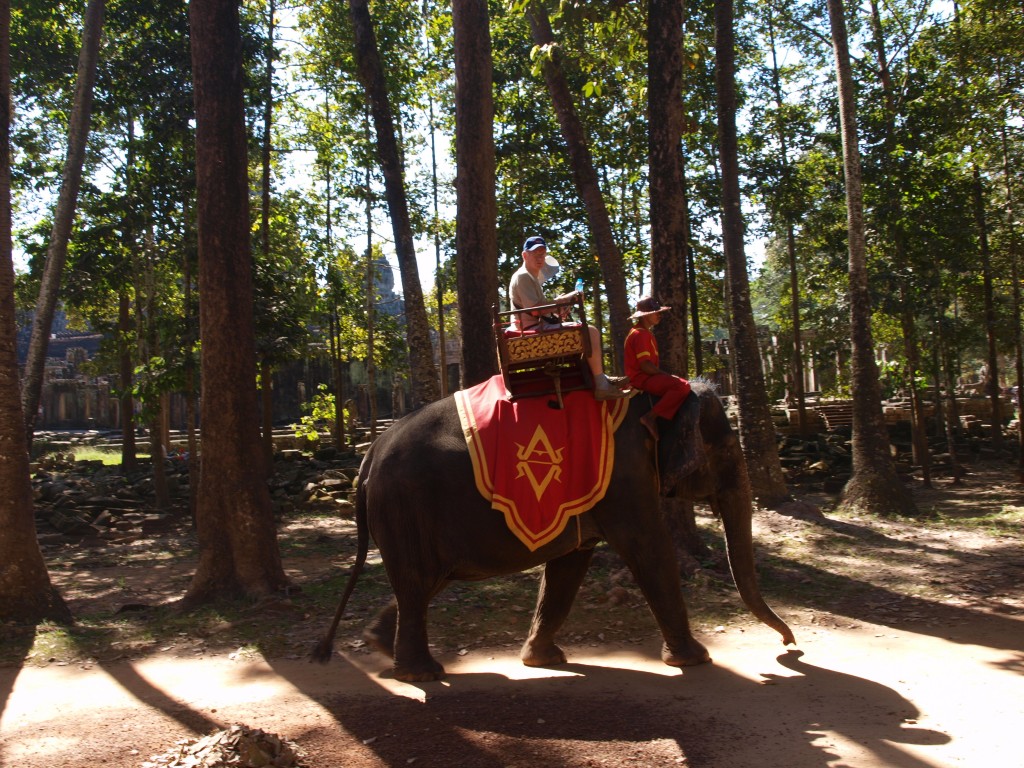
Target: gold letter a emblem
(535, 456)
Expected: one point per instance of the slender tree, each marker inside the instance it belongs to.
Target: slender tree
(238, 547)
(125, 337)
(26, 594)
(585, 177)
(64, 216)
(757, 430)
(897, 242)
(797, 361)
(476, 243)
(371, 71)
(992, 358)
(874, 486)
(266, 150)
(1014, 243)
(669, 226)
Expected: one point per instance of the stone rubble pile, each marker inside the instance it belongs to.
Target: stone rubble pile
(87, 502)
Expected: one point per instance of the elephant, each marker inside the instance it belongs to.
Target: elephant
(417, 498)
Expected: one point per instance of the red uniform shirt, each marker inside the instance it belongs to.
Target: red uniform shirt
(640, 345)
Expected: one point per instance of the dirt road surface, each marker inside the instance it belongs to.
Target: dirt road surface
(853, 694)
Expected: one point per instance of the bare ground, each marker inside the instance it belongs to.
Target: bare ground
(910, 633)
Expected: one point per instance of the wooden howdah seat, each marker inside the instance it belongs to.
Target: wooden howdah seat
(535, 363)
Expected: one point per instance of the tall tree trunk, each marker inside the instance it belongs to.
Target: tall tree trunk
(371, 309)
(1018, 342)
(425, 387)
(157, 455)
(666, 120)
(797, 357)
(944, 363)
(126, 403)
(190, 372)
(64, 215)
(442, 352)
(265, 365)
(125, 339)
(669, 213)
(268, 124)
(897, 239)
(757, 430)
(476, 234)
(585, 178)
(238, 546)
(339, 389)
(874, 486)
(919, 431)
(1018, 349)
(266, 370)
(26, 594)
(691, 272)
(149, 346)
(992, 366)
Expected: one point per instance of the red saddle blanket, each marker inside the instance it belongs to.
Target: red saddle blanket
(537, 465)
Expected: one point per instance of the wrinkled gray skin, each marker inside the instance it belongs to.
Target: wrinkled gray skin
(416, 497)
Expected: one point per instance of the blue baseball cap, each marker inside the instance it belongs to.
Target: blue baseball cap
(551, 267)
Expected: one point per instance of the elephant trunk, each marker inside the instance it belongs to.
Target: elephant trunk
(733, 504)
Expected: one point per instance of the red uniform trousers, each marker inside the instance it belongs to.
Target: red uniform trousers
(671, 389)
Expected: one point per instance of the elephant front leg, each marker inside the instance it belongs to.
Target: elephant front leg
(558, 587)
(656, 572)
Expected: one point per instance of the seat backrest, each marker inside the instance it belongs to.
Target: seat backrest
(547, 344)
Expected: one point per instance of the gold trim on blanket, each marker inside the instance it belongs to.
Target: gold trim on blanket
(613, 414)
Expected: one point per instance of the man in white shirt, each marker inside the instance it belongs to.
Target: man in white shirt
(526, 290)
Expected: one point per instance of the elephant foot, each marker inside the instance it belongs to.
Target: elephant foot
(690, 655)
(419, 673)
(535, 655)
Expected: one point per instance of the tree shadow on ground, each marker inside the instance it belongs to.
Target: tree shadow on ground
(583, 714)
(128, 677)
(971, 575)
(861, 600)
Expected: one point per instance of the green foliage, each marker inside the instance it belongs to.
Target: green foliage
(319, 414)
(954, 107)
(153, 379)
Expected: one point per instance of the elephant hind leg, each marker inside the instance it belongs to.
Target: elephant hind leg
(558, 587)
(413, 660)
(400, 631)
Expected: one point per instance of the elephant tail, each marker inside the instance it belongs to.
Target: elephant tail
(325, 648)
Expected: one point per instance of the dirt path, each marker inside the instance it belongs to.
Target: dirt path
(910, 632)
(864, 695)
